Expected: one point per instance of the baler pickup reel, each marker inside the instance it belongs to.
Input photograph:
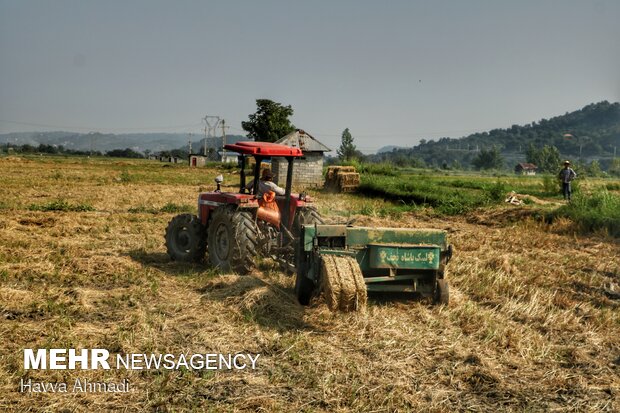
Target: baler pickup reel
(343, 263)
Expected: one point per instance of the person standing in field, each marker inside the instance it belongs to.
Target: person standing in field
(566, 175)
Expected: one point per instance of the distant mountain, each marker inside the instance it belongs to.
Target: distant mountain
(586, 134)
(388, 148)
(140, 142)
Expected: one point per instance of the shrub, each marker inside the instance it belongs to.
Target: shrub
(61, 205)
(497, 192)
(599, 210)
(168, 208)
(551, 184)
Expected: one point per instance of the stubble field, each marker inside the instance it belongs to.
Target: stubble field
(533, 323)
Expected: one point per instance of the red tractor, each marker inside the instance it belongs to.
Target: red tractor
(235, 228)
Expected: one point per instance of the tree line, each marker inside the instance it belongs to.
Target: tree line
(61, 150)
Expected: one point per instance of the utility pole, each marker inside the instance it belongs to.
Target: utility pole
(204, 147)
(189, 143)
(223, 137)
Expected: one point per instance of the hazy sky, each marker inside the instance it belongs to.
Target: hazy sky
(392, 71)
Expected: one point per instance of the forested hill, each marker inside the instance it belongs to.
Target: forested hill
(586, 134)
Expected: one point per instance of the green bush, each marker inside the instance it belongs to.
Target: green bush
(599, 210)
(497, 192)
(613, 186)
(385, 169)
(61, 205)
(168, 208)
(551, 184)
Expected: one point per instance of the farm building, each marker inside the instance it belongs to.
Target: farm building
(525, 169)
(228, 156)
(308, 170)
(197, 160)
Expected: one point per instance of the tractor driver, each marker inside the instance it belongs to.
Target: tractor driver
(265, 184)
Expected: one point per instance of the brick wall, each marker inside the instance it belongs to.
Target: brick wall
(307, 172)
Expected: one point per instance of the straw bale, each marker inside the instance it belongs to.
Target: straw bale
(343, 284)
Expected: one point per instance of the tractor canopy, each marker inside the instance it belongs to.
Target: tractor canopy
(264, 149)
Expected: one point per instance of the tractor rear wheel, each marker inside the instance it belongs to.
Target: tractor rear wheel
(186, 238)
(233, 240)
(442, 292)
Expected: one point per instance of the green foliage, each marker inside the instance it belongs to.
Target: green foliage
(48, 149)
(414, 191)
(613, 186)
(180, 152)
(347, 149)
(496, 192)
(489, 159)
(168, 208)
(614, 168)
(385, 169)
(124, 153)
(594, 169)
(594, 128)
(125, 177)
(61, 205)
(270, 122)
(551, 184)
(600, 210)
(547, 159)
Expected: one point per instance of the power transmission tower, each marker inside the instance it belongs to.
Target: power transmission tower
(211, 125)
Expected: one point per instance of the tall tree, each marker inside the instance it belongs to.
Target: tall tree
(489, 159)
(270, 122)
(547, 159)
(347, 150)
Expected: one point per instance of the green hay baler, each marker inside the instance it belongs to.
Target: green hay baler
(406, 260)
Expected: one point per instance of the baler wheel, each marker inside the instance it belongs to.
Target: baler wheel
(342, 283)
(233, 240)
(186, 238)
(442, 292)
(304, 288)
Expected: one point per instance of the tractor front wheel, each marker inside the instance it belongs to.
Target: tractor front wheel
(233, 239)
(186, 238)
(306, 216)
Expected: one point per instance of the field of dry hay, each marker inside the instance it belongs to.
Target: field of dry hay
(533, 323)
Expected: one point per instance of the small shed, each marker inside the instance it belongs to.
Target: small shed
(197, 161)
(308, 170)
(525, 169)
